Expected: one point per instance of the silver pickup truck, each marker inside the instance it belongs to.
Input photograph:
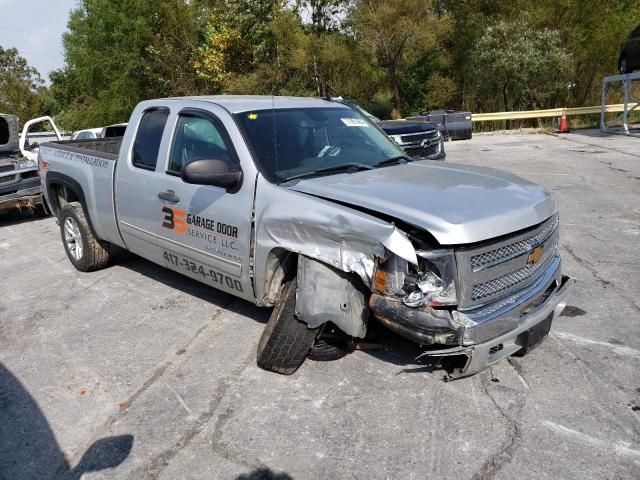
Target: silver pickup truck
(306, 206)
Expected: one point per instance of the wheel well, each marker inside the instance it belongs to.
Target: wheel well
(61, 195)
(281, 265)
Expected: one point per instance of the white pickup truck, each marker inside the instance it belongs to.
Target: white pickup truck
(306, 206)
(19, 178)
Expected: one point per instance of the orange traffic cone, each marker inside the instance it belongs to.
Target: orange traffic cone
(564, 124)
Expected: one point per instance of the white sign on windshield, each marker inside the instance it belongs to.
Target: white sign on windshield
(354, 122)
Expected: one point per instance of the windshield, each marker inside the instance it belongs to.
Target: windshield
(292, 142)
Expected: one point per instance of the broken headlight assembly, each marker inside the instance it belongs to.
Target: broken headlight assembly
(430, 283)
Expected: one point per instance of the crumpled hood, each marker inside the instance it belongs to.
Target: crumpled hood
(457, 204)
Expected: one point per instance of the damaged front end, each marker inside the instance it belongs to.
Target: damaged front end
(481, 303)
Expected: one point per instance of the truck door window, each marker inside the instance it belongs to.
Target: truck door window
(197, 138)
(147, 143)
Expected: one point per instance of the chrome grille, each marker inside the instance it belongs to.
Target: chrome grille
(418, 137)
(7, 168)
(506, 282)
(502, 254)
(422, 152)
(493, 271)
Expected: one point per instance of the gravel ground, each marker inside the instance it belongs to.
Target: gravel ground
(138, 358)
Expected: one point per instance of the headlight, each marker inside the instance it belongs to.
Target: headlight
(431, 283)
(435, 281)
(26, 164)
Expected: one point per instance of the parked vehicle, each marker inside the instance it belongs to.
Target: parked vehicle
(304, 205)
(452, 124)
(629, 59)
(113, 131)
(419, 139)
(87, 134)
(19, 179)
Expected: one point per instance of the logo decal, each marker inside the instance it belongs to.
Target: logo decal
(535, 255)
(174, 219)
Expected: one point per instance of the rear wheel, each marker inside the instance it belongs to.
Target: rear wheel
(286, 340)
(85, 251)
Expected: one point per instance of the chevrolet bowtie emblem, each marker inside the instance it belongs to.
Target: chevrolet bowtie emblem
(535, 255)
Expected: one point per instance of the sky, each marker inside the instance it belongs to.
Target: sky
(35, 28)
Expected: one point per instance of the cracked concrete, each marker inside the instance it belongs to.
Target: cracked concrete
(137, 350)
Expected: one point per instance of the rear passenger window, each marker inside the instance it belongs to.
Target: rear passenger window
(147, 143)
(199, 138)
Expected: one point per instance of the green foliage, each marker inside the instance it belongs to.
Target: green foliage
(520, 67)
(22, 90)
(119, 52)
(394, 57)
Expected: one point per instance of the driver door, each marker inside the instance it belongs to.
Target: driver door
(204, 231)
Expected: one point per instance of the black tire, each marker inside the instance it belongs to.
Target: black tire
(623, 65)
(327, 351)
(285, 341)
(94, 253)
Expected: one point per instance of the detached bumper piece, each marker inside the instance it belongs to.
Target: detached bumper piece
(485, 336)
(29, 197)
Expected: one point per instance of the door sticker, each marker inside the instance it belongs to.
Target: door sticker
(174, 219)
(216, 237)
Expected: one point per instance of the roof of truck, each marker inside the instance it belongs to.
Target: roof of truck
(245, 103)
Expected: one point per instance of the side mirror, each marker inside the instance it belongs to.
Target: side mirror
(209, 171)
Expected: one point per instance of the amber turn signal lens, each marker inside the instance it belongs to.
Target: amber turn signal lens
(380, 280)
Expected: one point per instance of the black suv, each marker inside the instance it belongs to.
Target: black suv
(630, 53)
(418, 138)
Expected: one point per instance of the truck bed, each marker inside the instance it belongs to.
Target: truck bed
(89, 165)
(101, 145)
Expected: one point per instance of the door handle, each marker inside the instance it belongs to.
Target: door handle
(169, 196)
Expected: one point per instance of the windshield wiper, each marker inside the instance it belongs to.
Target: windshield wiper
(336, 168)
(393, 160)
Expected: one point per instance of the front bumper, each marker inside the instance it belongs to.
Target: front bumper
(27, 197)
(484, 336)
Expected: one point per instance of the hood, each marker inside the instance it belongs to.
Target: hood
(403, 127)
(457, 204)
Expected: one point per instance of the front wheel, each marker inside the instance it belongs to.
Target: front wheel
(85, 251)
(286, 341)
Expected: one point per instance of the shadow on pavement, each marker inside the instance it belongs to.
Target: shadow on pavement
(28, 447)
(393, 348)
(264, 474)
(16, 217)
(189, 286)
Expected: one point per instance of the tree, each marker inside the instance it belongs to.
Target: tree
(119, 52)
(324, 15)
(518, 67)
(22, 90)
(393, 32)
